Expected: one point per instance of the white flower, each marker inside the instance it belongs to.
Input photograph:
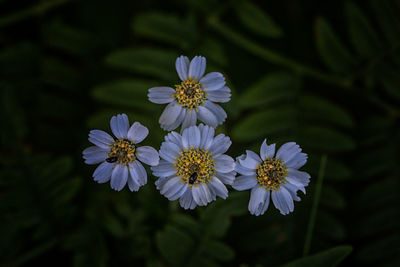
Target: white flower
(193, 98)
(193, 167)
(272, 176)
(120, 159)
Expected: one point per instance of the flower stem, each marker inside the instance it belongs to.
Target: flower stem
(317, 194)
(273, 57)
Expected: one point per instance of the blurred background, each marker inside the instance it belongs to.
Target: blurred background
(322, 73)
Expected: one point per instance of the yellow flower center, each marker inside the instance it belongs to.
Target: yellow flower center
(122, 151)
(189, 94)
(271, 174)
(195, 166)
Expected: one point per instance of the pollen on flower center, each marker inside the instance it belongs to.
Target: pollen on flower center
(123, 150)
(189, 94)
(271, 174)
(195, 166)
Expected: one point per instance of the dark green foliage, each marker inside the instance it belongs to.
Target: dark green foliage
(323, 75)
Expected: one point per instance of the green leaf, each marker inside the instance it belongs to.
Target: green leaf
(12, 116)
(213, 50)
(335, 170)
(57, 73)
(217, 217)
(362, 35)
(389, 77)
(324, 139)
(330, 197)
(256, 20)
(316, 109)
(386, 247)
(387, 19)
(174, 244)
(74, 41)
(114, 226)
(334, 54)
(218, 250)
(330, 257)
(128, 92)
(263, 123)
(329, 226)
(272, 88)
(167, 28)
(153, 62)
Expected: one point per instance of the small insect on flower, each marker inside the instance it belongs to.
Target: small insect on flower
(193, 178)
(193, 98)
(272, 176)
(193, 167)
(121, 158)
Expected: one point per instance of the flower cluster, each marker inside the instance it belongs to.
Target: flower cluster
(194, 167)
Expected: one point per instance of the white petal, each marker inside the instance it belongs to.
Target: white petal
(220, 144)
(169, 151)
(226, 178)
(264, 207)
(257, 199)
(137, 133)
(102, 174)
(175, 138)
(101, 139)
(222, 95)
(282, 200)
(217, 110)
(206, 116)
(251, 161)
(133, 184)
(164, 169)
(287, 151)
(170, 114)
(213, 81)
(267, 151)
(190, 119)
(138, 172)
(94, 154)
(206, 193)
(298, 178)
(244, 182)
(172, 187)
(187, 201)
(292, 189)
(197, 67)
(297, 161)
(191, 137)
(207, 136)
(198, 196)
(224, 163)
(177, 122)
(119, 125)
(119, 177)
(219, 188)
(161, 95)
(243, 170)
(182, 67)
(148, 155)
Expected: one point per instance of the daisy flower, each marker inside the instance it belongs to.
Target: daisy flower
(193, 167)
(193, 98)
(269, 175)
(120, 158)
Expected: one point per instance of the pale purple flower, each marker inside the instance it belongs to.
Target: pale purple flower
(121, 158)
(193, 98)
(193, 167)
(272, 176)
